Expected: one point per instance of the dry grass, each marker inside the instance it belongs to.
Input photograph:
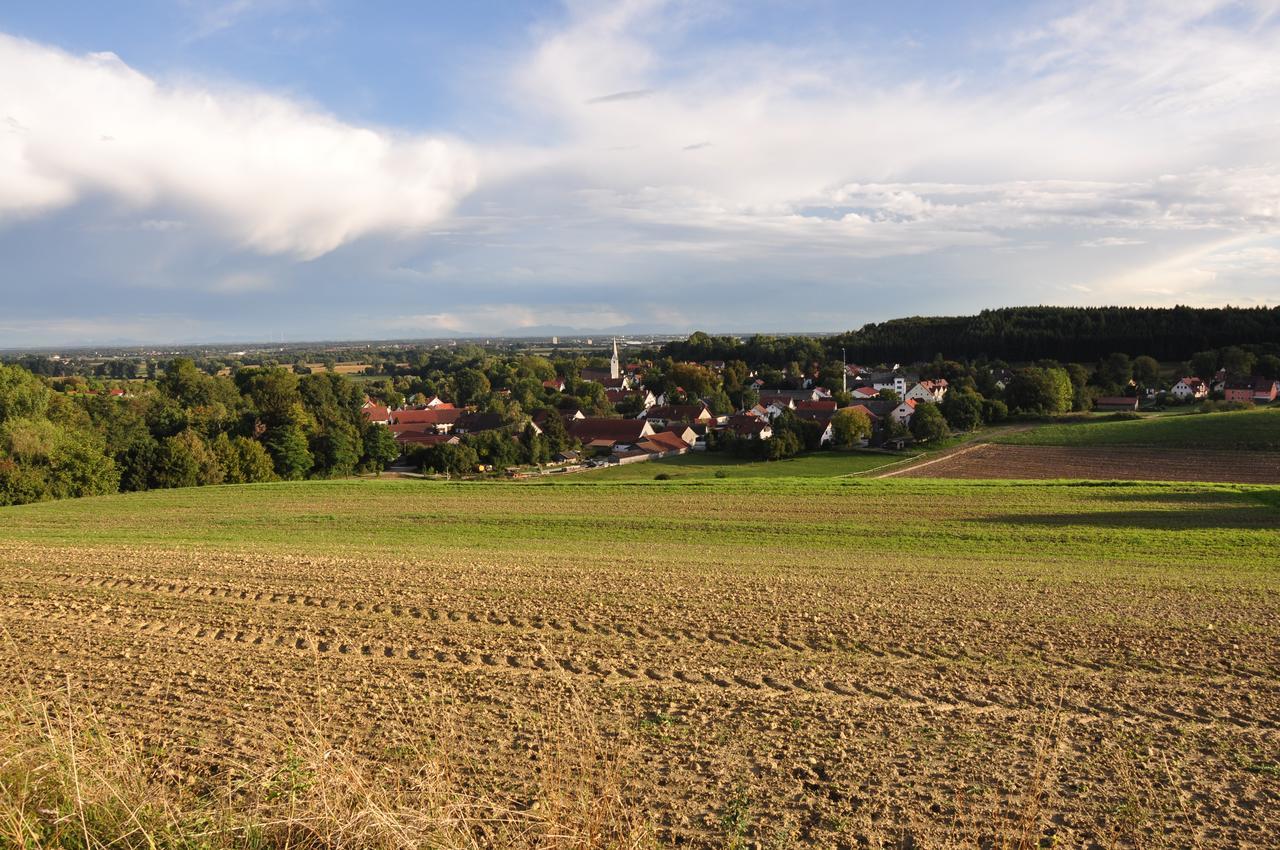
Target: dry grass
(69, 780)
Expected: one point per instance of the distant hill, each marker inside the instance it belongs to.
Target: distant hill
(1081, 334)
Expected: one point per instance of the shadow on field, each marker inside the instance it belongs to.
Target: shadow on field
(1240, 516)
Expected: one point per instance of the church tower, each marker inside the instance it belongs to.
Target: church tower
(615, 371)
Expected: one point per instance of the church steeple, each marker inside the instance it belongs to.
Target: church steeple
(615, 369)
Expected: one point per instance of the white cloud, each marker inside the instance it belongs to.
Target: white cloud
(507, 318)
(1135, 116)
(271, 174)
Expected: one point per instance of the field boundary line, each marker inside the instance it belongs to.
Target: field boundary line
(884, 466)
(946, 456)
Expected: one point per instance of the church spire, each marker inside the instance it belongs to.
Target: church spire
(615, 370)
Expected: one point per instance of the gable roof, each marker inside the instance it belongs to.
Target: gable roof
(593, 428)
(679, 412)
(434, 416)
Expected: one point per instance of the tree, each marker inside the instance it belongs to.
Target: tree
(1115, 371)
(446, 459)
(472, 386)
(336, 451)
(849, 427)
(22, 394)
(963, 411)
(783, 444)
(1035, 390)
(555, 433)
(928, 424)
(1204, 365)
(185, 460)
(380, 447)
(535, 445)
(1238, 362)
(1269, 366)
(994, 410)
(1146, 371)
(289, 453)
(890, 395)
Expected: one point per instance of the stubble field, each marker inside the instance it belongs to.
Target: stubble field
(826, 663)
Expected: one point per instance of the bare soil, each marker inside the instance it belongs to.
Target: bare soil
(1102, 463)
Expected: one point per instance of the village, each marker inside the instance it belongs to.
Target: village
(882, 403)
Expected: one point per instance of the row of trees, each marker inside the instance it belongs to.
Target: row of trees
(190, 429)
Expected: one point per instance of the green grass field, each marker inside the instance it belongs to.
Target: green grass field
(1056, 523)
(1248, 429)
(705, 465)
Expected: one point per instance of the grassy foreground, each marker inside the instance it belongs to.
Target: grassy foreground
(1246, 429)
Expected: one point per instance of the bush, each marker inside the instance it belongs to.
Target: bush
(662, 476)
(1224, 406)
(720, 473)
(1124, 416)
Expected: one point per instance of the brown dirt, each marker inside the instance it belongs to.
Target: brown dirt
(1102, 463)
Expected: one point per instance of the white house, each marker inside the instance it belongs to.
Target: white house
(931, 391)
(903, 412)
(1190, 388)
(895, 382)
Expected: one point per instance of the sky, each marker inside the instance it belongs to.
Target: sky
(235, 170)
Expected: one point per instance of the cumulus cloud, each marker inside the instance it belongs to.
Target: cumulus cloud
(274, 175)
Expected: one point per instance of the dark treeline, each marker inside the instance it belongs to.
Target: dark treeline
(1082, 334)
(1013, 334)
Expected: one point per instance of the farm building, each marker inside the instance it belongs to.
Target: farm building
(1115, 402)
(1189, 389)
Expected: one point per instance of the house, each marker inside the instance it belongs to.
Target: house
(437, 403)
(647, 399)
(663, 444)
(865, 392)
(418, 438)
(823, 418)
(687, 433)
(568, 456)
(886, 381)
(472, 423)
(376, 413)
(904, 411)
(1115, 402)
(1189, 389)
(597, 432)
(774, 405)
(823, 406)
(749, 427)
(556, 384)
(1265, 391)
(661, 415)
(438, 420)
(931, 391)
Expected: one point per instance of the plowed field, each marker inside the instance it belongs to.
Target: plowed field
(826, 663)
(1103, 463)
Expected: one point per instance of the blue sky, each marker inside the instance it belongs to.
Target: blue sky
(301, 169)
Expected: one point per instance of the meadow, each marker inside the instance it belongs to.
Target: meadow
(583, 663)
(700, 465)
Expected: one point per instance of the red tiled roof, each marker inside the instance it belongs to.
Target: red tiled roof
(823, 405)
(438, 416)
(592, 429)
